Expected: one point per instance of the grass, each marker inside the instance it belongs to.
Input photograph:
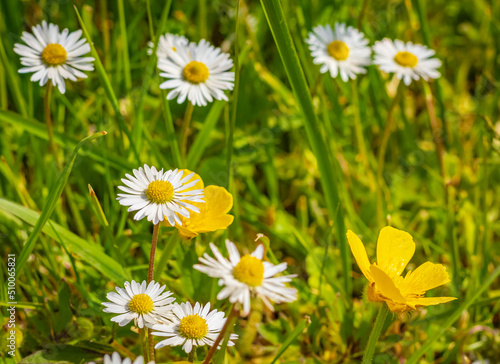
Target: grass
(297, 149)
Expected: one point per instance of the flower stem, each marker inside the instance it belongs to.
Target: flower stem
(185, 127)
(154, 242)
(437, 133)
(144, 344)
(151, 269)
(48, 122)
(383, 148)
(375, 334)
(232, 315)
(151, 345)
(191, 355)
(358, 127)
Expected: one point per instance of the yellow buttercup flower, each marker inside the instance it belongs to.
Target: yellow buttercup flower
(213, 212)
(395, 248)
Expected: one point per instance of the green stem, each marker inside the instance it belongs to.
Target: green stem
(375, 334)
(452, 237)
(436, 132)
(191, 355)
(103, 9)
(169, 125)
(150, 21)
(232, 121)
(151, 269)
(48, 122)
(383, 148)
(185, 128)
(165, 255)
(362, 13)
(144, 345)
(424, 26)
(154, 242)
(359, 134)
(124, 40)
(232, 315)
(202, 18)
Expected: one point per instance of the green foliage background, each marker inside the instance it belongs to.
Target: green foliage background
(272, 172)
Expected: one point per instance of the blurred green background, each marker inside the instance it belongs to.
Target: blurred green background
(272, 173)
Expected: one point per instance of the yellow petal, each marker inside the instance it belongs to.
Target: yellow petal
(429, 301)
(394, 250)
(386, 285)
(221, 201)
(359, 252)
(215, 223)
(212, 216)
(424, 278)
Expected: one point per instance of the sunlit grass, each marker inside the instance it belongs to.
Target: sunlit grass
(305, 156)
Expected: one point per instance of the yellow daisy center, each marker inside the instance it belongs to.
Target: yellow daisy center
(338, 50)
(141, 303)
(195, 72)
(249, 270)
(160, 192)
(193, 327)
(174, 49)
(406, 59)
(54, 54)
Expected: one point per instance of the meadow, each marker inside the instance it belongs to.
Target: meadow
(303, 146)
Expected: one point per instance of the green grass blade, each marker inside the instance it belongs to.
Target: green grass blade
(277, 23)
(232, 122)
(171, 137)
(124, 41)
(91, 253)
(137, 130)
(453, 317)
(38, 129)
(289, 340)
(97, 208)
(13, 82)
(203, 138)
(420, 7)
(52, 199)
(101, 72)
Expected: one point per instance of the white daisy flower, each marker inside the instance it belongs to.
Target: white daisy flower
(407, 60)
(243, 276)
(143, 303)
(192, 326)
(168, 42)
(54, 55)
(115, 359)
(198, 72)
(343, 50)
(159, 195)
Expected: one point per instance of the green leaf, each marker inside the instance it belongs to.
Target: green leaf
(91, 253)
